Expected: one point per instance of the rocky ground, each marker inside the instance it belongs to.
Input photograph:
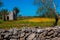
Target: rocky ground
(52, 33)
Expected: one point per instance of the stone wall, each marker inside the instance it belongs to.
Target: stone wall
(52, 33)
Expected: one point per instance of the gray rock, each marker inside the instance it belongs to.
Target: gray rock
(59, 38)
(52, 33)
(55, 38)
(31, 36)
(22, 34)
(47, 39)
(13, 39)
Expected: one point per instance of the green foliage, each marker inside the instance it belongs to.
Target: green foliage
(48, 15)
(44, 6)
(1, 3)
(1, 21)
(0, 15)
(16, 10)
(3, 13)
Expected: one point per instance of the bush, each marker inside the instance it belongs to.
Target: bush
(1, 21)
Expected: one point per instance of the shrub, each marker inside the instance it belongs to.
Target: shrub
(1, 21)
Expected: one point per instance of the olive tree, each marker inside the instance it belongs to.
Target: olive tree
(4, 13)
(1, 4)
(45, 6)
(15, 12)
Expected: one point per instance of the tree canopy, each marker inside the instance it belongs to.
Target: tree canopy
(16, 10)
(1, 3)
(4, 12)
(45, 6)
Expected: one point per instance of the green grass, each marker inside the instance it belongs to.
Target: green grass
(21, 23)
(1, 21)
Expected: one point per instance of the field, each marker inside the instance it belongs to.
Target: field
(31, 22)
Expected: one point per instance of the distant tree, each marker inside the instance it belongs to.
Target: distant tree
(1, 4)
(48, 14)
(45, 6)
(0, 14)
(4, 13)
(15, 12)
(20, 15)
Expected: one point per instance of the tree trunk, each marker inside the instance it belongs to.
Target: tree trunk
(3, 17)
(56, 17)
(14, 16)
(56, 21)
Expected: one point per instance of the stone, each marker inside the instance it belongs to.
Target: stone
(31, 36)
(52, 33)
(39, 30)
(55, 38)
(47, 39)
(13, 39)
(22, 34)
(59, 38)
(34, 38)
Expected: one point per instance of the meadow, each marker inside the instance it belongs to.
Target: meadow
(30, 22)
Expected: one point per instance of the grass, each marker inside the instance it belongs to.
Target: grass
(32, 22)
(1, 21)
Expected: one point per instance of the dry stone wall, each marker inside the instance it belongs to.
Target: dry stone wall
(52, 33)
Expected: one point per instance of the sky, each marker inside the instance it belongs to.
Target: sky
(26, 7)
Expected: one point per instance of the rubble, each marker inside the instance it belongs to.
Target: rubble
(52, 33)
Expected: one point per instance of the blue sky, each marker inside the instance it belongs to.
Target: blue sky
(26, 6)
